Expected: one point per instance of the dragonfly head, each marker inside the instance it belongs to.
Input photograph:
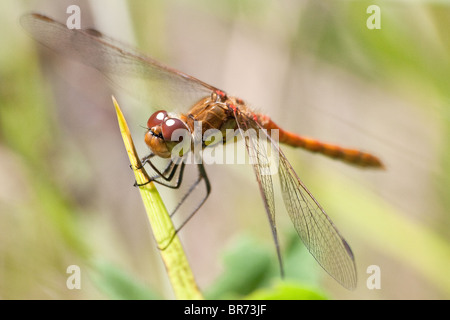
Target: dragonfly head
(164, 133)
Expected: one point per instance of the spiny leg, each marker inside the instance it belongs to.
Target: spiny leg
(202, 176)
(167, 174)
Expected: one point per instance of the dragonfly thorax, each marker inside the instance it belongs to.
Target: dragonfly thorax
(210, 115)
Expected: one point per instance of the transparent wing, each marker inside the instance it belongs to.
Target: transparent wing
(136, 73)
(256, 148)
(312, 224)
(315, 228)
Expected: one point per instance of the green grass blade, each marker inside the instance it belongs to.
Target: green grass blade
(177, 266)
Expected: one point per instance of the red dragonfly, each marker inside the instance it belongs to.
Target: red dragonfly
(214, 109)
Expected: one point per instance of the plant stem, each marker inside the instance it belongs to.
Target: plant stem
(177, 265)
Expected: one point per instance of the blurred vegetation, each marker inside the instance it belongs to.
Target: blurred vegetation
(56, 205)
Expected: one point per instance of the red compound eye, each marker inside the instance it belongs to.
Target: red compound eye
(156, 119)
(173, 129)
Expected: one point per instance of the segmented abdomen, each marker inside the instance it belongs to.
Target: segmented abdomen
(351, 156)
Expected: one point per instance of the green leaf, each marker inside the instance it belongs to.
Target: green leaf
(172, 253)
(287, 291)
(247, 264)
(117, 284)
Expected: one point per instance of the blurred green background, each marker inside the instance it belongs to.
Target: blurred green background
(66, 195)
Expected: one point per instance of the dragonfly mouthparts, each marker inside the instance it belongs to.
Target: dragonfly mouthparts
(156, 134)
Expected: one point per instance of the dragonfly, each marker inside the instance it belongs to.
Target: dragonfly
(213, 108)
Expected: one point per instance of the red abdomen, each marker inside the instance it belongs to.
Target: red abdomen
(351, 156)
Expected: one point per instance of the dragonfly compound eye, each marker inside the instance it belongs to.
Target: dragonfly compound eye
(174, 129)
(156, 119)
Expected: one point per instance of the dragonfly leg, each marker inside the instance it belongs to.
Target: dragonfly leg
(143, 162)
(202, 176)
(168, 175)
(146, 160)
(165, 177)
